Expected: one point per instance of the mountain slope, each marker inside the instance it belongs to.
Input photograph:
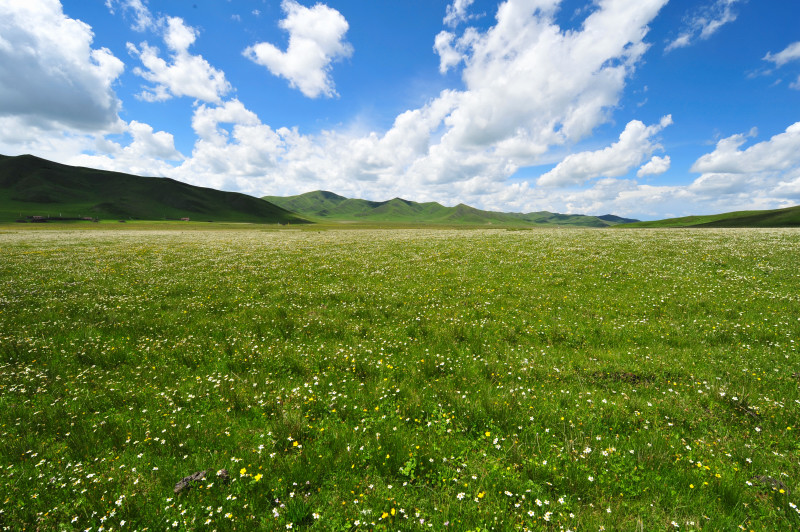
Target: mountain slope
(30, 186)
(789, 217)
(324, 205)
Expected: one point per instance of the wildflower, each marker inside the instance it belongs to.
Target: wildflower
(460, 496)
(242, 471)
(257, 477)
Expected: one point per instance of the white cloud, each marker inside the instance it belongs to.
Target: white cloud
(316, 39)
(186, 74)
(143, 19)
(146, 154)
(530, 86)
(448, 55)
(704, 23)
(457, 12)
(790, 53)
(656, 166)
(634, 145)
(49, 72)
(780, 153)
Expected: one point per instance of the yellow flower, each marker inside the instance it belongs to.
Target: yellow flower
(691, 486)
(488, 433)
(295, 444)
(481, 494)
(393, 512)
(384, 515)
(242, 471)
(257, 477)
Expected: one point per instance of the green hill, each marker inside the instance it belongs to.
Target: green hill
(322, 205)
(30, 186)
(789, 217)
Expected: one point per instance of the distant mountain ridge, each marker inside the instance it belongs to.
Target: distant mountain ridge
(324, 205)
(30, 186)
(788, 217)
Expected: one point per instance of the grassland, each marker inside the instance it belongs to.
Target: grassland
(30, 186)
(399, 379)
(788, 217)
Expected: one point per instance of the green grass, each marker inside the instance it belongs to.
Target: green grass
(327, 207)
(30, 186)
(399, 379)
(789, 217)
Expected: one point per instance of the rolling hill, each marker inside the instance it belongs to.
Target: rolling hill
(322, 205)
(789, 217)
(30, 186)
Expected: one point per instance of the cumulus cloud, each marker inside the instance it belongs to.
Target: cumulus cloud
(457, 12)
(185, 74)
(768, 171)
(656, 166)
(634, 145)
(147, 153)
(142, 18)
(765, 175)
(49, 72)
(449, 56)
(531, 85)
(779, 153)
(316, 39)
(704, 23)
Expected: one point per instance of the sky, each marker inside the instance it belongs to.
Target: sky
(640, 108)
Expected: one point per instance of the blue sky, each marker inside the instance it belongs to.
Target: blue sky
(641, 108)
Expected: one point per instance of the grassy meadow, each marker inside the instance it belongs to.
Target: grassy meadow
(554, 379)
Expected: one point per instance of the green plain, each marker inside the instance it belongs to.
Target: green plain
(398, 379)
